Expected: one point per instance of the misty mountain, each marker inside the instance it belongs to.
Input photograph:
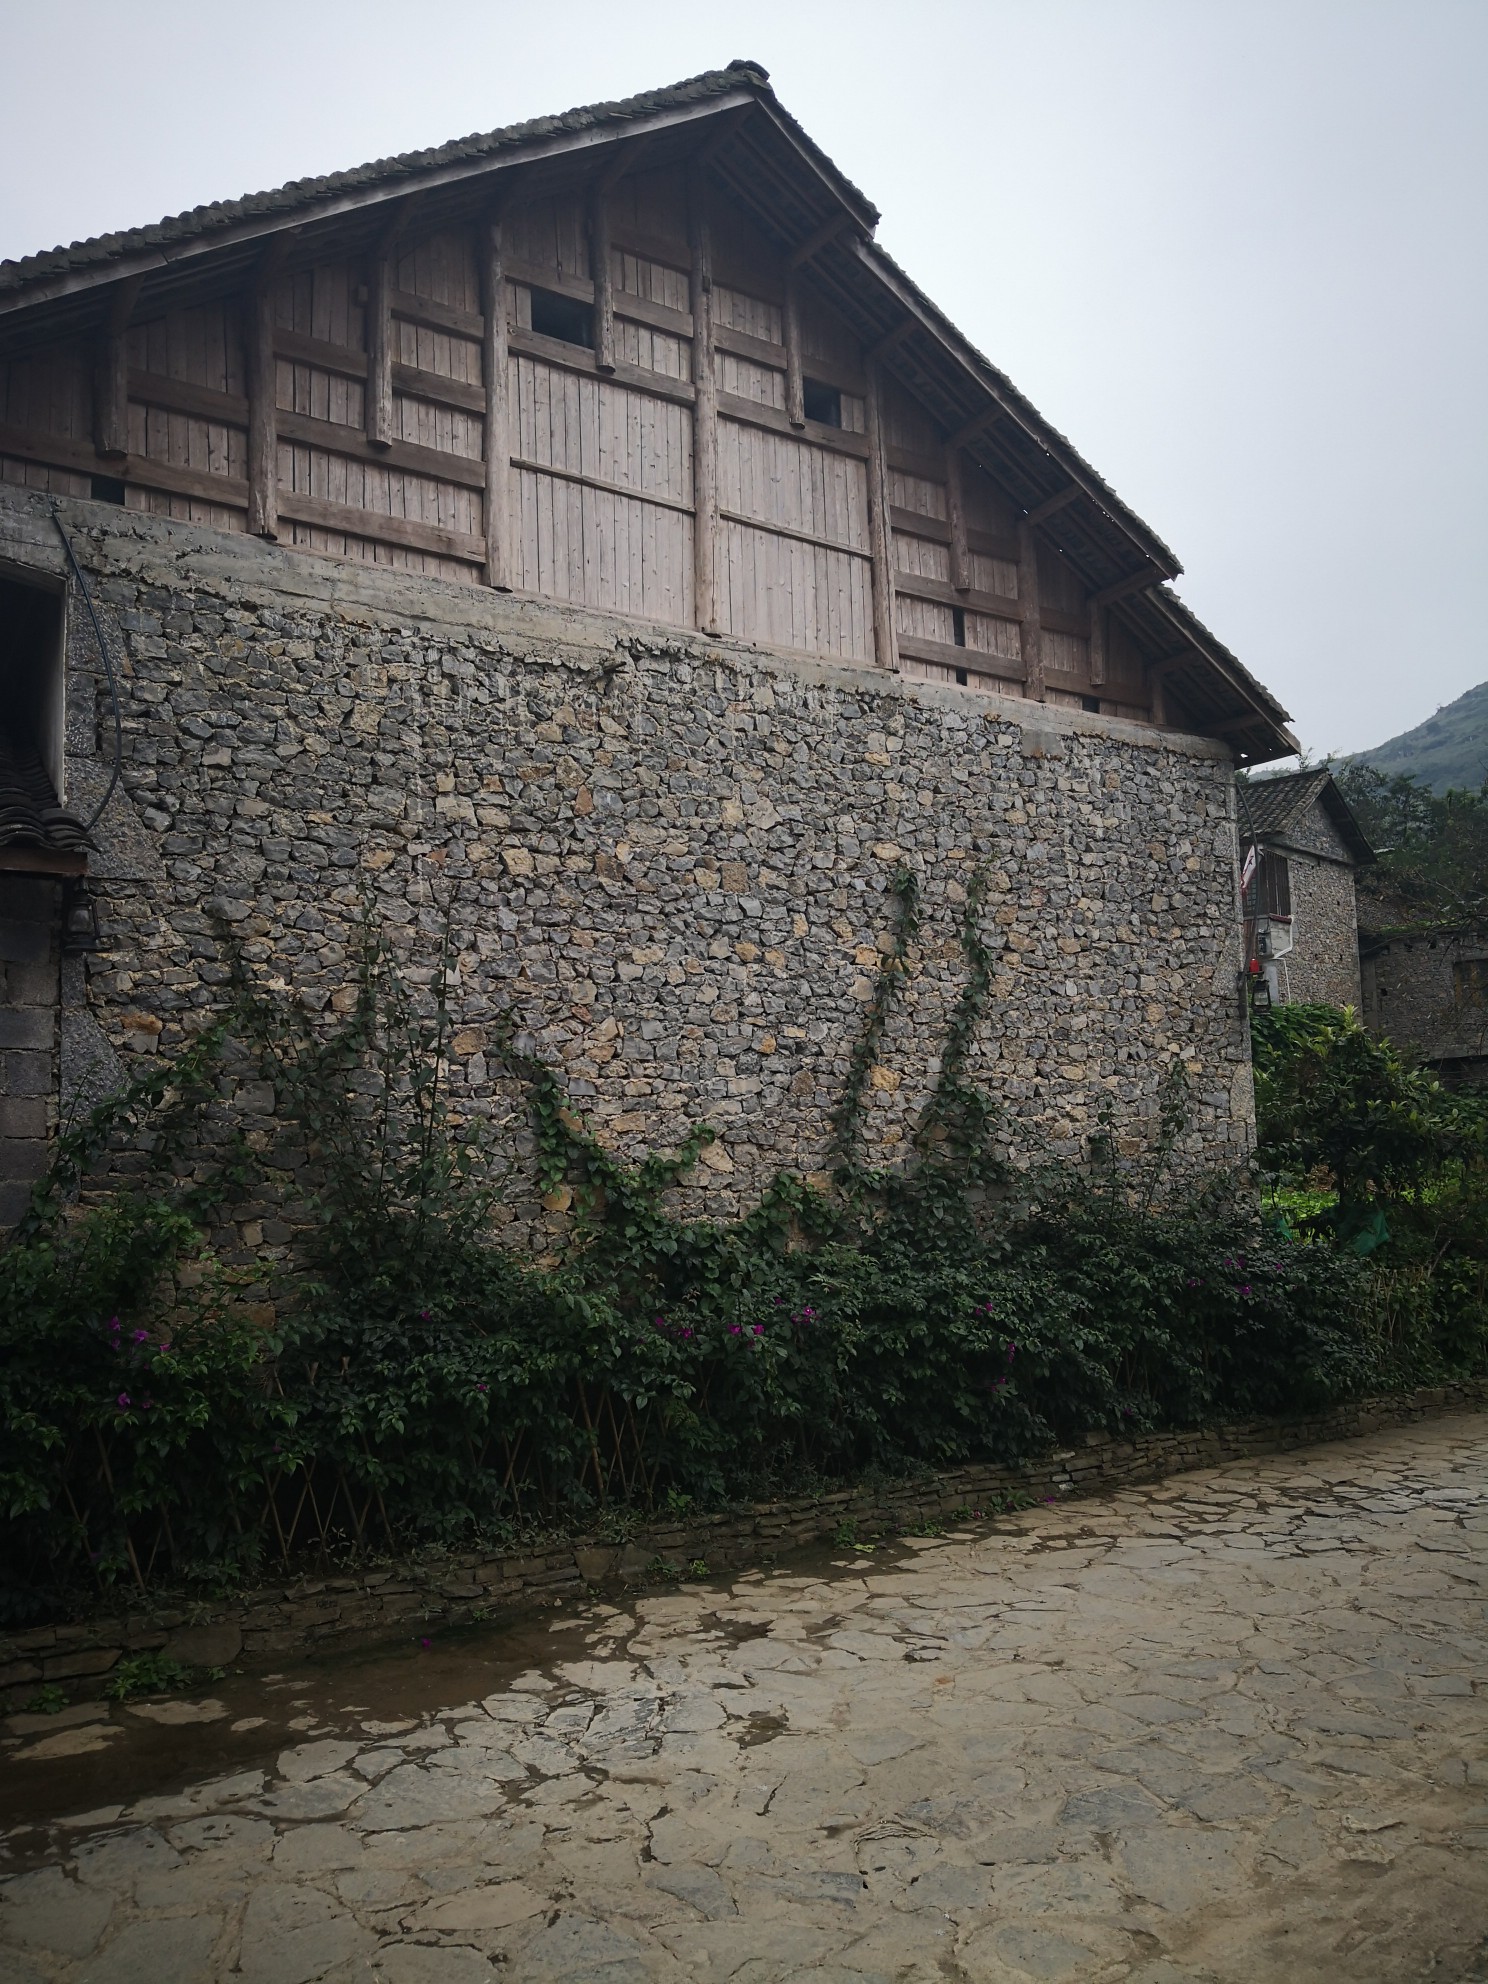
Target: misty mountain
(1448, 750)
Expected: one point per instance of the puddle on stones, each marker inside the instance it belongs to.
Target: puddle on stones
(81, 1767)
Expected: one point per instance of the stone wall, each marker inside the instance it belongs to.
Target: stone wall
(668, 856)
(1324, 965)
(1411, 998)
(265, 1626)
(30, 930)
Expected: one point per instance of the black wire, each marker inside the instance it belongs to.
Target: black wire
(108, 669)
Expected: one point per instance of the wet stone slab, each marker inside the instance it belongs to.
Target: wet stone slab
(1222, 1730)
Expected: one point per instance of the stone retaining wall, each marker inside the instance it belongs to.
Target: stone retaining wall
(273, 1623)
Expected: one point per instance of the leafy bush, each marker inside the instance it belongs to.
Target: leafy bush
(427, 1385)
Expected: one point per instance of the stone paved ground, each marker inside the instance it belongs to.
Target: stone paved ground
(1226, 1728)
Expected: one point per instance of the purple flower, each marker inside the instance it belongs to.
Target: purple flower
(735, 1329)
(124, 1401)
(142, 1336)
(1245, 1288)
(423, 1315)
(759, 1329)
(482, 1388)
(426, 1643)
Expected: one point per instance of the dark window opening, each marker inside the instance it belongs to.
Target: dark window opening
(1090, 703)
(1270, 889)
(958, 625)
(562, 317)
(106, 489)
(31, 684)
(823, 404)
(960, 678)
(1469, 982)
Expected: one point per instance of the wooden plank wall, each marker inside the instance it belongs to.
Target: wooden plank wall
(377, 440)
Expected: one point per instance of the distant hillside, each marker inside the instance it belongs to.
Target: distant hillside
(1448, 750)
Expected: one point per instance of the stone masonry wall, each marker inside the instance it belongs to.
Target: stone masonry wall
(29, 995)
(1411, 1000)
(668, 856)
(1324, 966)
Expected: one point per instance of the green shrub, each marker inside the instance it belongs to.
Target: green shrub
(430, 1386)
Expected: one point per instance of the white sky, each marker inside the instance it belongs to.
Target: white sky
(1237, 251)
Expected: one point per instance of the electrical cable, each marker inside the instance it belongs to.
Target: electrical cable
(108, 669)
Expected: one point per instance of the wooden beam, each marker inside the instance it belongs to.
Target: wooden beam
(336, 438)
(111, 379)
(795, 386)
(704, 418)
(263, 435)
(891, 342)
(1052, 505)
(353, 522)
(1028, 592)
(379, 398)
(880, 533)
(1096, 640)
(1134, 582)
(1157, 701)
(817, 239)
(182, 396)
(496, 369)
(599, 270)
(974, 429)
(956, 520)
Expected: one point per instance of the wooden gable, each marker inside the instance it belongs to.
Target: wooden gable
(606, 380)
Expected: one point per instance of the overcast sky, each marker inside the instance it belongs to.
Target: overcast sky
(1234, 250)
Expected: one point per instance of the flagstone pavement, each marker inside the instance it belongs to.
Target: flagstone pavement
(1226, 1729)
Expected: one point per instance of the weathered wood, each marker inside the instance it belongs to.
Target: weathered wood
(749, 413)
(974, 429)
(818, 239)
(1097, 645)
(1157, 700)
(704, 421)
(880, 535)
(262, 383)
(1028, 592)
(434, 316)
(380, 528)
(578, 358)
(182, 396)
(111, 379)
(793, 531)
(583, 481)
(379, 394)
(795, 388)
(972, 661)
(956, 521)
(495, 362)
(891, 341)
(1052, 505)
(599, 269)
(1134, 582)
(337, 438)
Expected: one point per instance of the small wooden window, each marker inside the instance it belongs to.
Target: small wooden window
(563, 318)
(1470, 982)
(1090, 704)
(1270, 891)
(820, 403)
(106, 489)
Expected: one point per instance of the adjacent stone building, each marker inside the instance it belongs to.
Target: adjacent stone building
(584, 536)
(1427, 993)
(1301, 910)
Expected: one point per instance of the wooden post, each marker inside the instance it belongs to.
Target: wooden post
(380, 343)
(111, 384)
(604, 291)
(1097, 644)
(956, 518)
(498, 426)
(1159, 700)
(880, 532)
(795, 388)
(704, 423)
(263, 439)
(1028, 598)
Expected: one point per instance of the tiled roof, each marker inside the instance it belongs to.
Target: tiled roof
(1272, 807)
(30, 813)
(282, 202)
